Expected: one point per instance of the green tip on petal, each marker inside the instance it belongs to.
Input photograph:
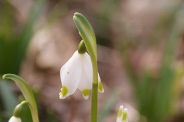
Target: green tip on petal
(125, 114)
(100, 87)
(63, 93)
(85, 93)
(120, 113)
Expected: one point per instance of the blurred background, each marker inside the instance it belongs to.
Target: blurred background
(140, 57)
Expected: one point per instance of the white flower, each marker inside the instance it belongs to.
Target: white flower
(77, 73)
(122, 115)
(14, 119)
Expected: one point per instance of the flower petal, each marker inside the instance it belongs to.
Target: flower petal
(125, 115)
(70, 75)
(14, 119)
(87, 67)
(86, 93)
(120, 114)
(89, 72)
(85, 84)
(100, 86)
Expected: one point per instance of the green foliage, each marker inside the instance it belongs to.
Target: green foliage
(13, 44)
(154, 93)
(14, 40)
(8, 99)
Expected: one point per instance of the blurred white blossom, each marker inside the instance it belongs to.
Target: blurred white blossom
(122, 115)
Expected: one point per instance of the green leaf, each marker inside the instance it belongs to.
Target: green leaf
(87, 33)
(8, 98)
(27, 93)
(14, 44)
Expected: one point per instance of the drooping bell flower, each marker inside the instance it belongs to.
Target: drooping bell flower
(77, 73)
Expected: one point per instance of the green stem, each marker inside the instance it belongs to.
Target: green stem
(94, 103)
(94, 100)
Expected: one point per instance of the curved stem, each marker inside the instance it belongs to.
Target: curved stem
(27, 93)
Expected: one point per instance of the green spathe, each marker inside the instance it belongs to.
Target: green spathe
(87, 33)
(18, 109)
(81, 47)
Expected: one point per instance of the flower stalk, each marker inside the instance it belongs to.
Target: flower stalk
(87, 34)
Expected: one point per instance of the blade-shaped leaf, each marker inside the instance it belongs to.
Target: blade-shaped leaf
(8, 98)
